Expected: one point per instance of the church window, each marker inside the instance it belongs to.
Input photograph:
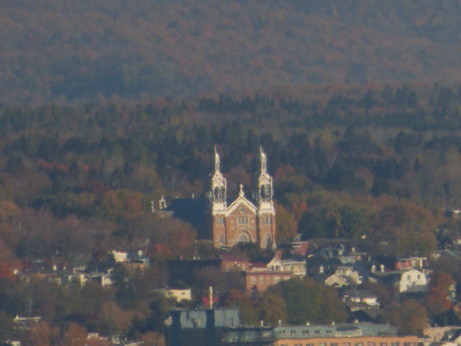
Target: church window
(266, 220)
(219, 220)
(242, 209)
(242, 220)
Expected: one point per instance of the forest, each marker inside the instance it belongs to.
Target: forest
(377, 163)
(68, 52)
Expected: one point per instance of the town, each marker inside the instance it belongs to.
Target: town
(230, 173)
(241, 286)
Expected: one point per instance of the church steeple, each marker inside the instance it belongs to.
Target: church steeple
(218, 186)
(265, 192)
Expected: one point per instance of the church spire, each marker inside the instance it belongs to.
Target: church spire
(264, 194)
(263, 160)
(218, 186)
(217, 162)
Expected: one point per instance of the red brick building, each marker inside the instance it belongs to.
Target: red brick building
(242, 220)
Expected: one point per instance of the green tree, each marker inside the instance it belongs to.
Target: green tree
(272, 308)
(308, 301)
(286, 224)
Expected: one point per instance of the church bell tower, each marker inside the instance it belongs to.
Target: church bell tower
(265, 204)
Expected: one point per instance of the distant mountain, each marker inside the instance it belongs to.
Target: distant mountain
(66, 51)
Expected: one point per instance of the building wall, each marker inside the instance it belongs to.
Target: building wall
(243, 225)
(266, 223)
(261, 280)
(351, 341)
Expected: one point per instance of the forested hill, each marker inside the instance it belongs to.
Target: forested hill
(66, 51)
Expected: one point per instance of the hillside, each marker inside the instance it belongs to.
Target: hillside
(71, 51)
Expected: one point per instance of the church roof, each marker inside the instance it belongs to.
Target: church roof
(191, 210)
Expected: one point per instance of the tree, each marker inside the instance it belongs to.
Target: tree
(286, 224)
(272, 308)
(410, 317)
(113, 320)
(441, 287)
(407, 228)
(308, 301)
(75, 335)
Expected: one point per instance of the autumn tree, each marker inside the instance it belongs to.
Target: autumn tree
(410, 317)
(439, 300)
(407, 228)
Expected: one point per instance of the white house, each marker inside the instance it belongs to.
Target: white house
(412, 280)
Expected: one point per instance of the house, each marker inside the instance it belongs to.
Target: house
(296, 267)
(406, 263)
(409, 281)
(234, 263)
(413, 281)
(178, 294)
(358, 299)
(260, 280)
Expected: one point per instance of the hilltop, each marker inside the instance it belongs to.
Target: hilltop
(55, 51)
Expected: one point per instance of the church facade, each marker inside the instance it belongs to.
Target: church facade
(242, 220)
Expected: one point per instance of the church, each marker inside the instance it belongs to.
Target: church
(241, 220)
(231, 221)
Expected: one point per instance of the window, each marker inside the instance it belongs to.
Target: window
(322, 344)
(333, 344)
(242, 220)
(242, 209)
(383, 344)
(371, 344)
(305, 332)
(292, 332)
(359, 344)
(282, 332)
(395, 343)
(221, 239)
(219, 220)
(266, 220)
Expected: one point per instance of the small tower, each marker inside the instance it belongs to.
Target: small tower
(218, 187)
(266, 209)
